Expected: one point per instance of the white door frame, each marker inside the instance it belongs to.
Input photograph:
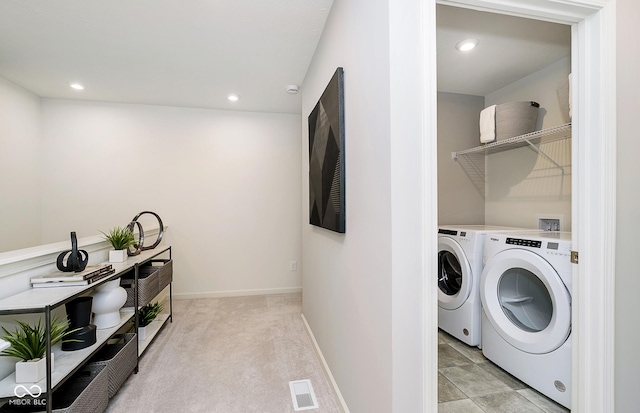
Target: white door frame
(593, 187)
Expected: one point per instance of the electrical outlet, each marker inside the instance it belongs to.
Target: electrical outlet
(293, 266)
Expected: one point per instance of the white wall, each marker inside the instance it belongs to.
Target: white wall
(627, 334)
(20, 131)
(226, 183)
(520, 184)
(539, 87)
(362, 290)
(346, 278)
(460, 198)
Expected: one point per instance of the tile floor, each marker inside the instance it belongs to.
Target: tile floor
(469, 383)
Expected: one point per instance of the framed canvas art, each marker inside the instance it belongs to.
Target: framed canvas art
(326, 157)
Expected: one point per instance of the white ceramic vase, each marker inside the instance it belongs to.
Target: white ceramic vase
(32, 371)
(108, 299)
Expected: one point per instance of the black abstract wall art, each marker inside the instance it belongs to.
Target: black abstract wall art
(326, 157)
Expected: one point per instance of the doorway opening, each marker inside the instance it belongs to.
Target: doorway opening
(593, 183)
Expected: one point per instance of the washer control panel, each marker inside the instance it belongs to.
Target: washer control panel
(525, 242)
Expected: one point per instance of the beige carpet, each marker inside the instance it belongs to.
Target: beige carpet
(228, 355)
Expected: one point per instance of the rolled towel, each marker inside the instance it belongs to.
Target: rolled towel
(488, 124)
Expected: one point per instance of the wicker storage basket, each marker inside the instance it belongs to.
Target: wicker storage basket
(119, 359)
(148, 286)
(515, 119)
(165, 272)
(85, 391)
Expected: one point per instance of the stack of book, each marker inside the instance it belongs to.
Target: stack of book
(90, 275)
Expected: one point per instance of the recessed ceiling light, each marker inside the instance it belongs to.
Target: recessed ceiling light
(76, 86)
(233, 97)
(466, 45)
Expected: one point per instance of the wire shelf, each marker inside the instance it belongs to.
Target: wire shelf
(472, 161)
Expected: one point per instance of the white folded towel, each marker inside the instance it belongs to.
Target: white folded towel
(488, 124)
(570, 96)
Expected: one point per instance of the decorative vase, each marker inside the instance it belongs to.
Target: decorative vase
(77, 259)
(79, 314)
(108, 299)
(117, 255)
(32, 371)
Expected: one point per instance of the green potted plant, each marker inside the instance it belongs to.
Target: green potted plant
(29, 344)
(120, 239)
(146, 316)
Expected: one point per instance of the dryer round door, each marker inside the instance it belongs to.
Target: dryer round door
(526, 301)
(454, 274)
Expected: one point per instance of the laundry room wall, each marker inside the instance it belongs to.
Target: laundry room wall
(521, 185)
(460, 199)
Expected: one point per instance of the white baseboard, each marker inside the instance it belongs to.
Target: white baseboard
(236, 293)
(343, 404)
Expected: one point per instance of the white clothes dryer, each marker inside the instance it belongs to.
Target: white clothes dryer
(460, 250)
(525, 291)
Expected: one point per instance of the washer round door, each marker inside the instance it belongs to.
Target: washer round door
(526, 301)
(454, 274)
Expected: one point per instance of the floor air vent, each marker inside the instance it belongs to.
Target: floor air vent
(302, 395)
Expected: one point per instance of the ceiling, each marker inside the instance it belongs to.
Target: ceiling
(194, 53)
(509, 49)
(190, 53)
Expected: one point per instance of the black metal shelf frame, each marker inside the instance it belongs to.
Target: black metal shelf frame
(46, 309)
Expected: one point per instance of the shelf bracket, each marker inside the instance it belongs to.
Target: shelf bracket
(541, 152)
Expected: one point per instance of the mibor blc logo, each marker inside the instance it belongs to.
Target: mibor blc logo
(34, 391)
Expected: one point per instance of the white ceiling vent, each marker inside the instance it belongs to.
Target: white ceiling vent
(302, 395)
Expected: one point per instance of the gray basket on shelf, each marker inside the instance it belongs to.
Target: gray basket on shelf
(165, 272)
(148, 286)
(119, 359)
(515, 119)
(85, 391)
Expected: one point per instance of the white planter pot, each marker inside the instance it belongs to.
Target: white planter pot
(142, 333)
(118, 255)
(32, 371)
(107, 301)
(145, 332)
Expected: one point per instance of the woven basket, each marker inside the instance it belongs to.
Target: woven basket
(120, 361)
(165, 272)
(515, 119)
(148, 286)
(85, 391)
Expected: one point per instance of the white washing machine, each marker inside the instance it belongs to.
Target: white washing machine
(459, 268)
(526, 309)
